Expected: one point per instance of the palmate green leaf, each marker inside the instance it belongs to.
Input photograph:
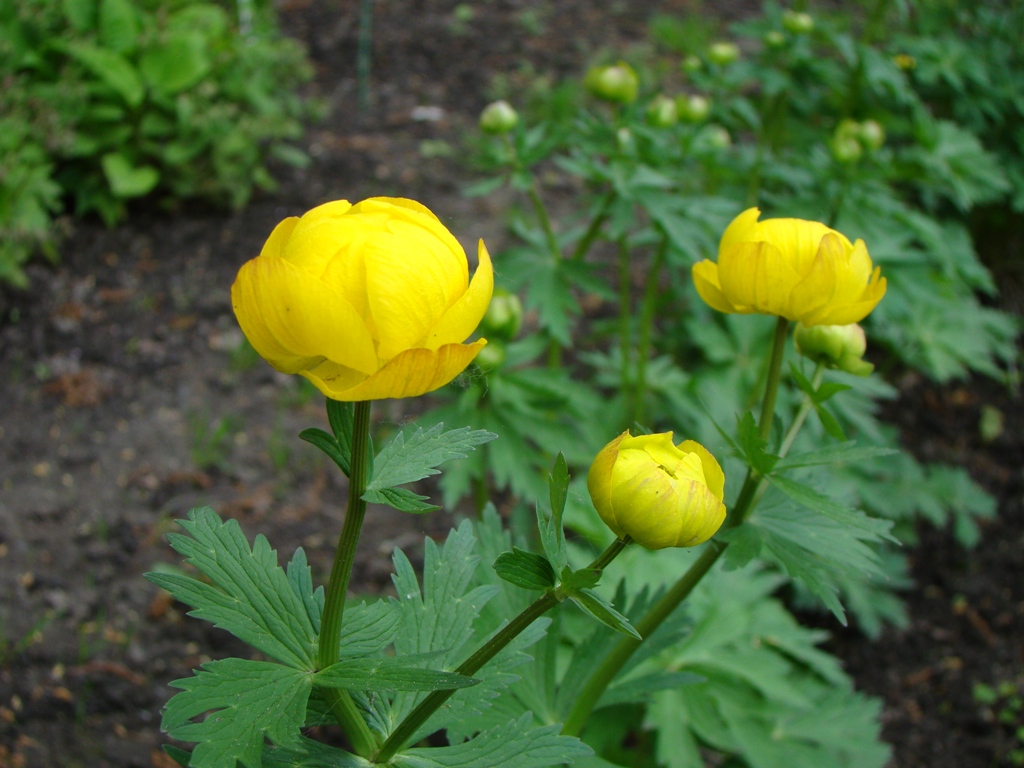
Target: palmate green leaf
(401, 499)
(248, 702)
(306, 753)
(596, 606)
(847, 453)
(552, 534)
(112, 68)
(819, 502)
(525, 569)
(639, 689)
(391, 673)
(250, 595)
(406, 461)
(515, 745)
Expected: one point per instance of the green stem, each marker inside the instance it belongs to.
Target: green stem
(661, 610)
(340, 702)
(600, 217)
(415, 719)
(764, 425)
(625, 316)
(363, 55)
(646, 327)
(545, 221)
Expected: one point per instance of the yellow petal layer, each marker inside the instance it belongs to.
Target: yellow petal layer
(289, 316)
(409, 374)
(464, 315)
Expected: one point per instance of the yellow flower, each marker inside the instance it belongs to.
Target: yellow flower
(367, 301)
(661, 494)
(797, 269)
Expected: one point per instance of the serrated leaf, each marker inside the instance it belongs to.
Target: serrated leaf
(301, 578)
(329, 445)
(600, 609)
(525, 569)
(247, 701)
(307, 753)
(112, 68)
(837, 454)
(828, 421)
(406, 461)
(178, 755)
(640, 689)
(819, 502)
(552, 534)
(516, 745)
(401, 499)
(581, 579)
(753, 445)
(250, 594)
(391, 673)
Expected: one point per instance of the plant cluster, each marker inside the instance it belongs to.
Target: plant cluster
(105, 101)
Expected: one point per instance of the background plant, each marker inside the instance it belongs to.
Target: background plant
(105, 101)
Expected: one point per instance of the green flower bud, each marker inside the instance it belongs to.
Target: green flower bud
(662, 112)
(498, 117)
(693, 108)
(494, 358)
(713, 137)
(774, 39)
(846, 149)
(871, 134)
(797, 22)
(723, 53)
(661, 494)
(617, 83)
(691, 63)
(905, 61)
(840, 347)
(626, 141)
(503, 317)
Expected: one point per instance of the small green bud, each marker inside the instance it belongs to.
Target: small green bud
(691, 63)
(905, 61)
(626, 140)
(797, 22)
(713, 137)
(723, 53)
(774, 39)
(693, 108)
(491, 356)
(617, 83)
(662, 112)
(846, 150)
(503, 317)
(498, 117)
(841, 347)
(871, 134)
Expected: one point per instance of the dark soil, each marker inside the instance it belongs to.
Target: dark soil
(126, 403)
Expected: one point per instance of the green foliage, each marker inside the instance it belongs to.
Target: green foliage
(106, 101)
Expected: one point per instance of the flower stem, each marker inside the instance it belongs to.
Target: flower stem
(412, 722)
(340, 702)
(625, 315)
(600, 217)
(748, 497)
(646, 326)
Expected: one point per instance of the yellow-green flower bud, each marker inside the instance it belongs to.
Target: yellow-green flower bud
(498, 117)
(846, 149)
(723, 53)
(662, 112)
(660, 494)
(774, 39)
(871, 134)
(616, 83)
(691, 63)
(504, 315)
(840, 347)
(693, 108)
(714, 137)
(494, 357)
(797, 22)
(905, 61)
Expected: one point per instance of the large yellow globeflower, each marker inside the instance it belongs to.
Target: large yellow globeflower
(800, 270)
(367, 301)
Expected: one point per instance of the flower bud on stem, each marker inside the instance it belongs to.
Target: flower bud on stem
(748, 497)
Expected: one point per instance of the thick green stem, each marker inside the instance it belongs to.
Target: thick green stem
(341, 704)
(748, 497)
(545, 222)
(771, 389)
(646, 327)
(412, 722)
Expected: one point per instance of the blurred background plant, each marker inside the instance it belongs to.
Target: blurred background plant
(106, 101)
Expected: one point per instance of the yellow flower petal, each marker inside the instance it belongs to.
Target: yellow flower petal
(283, 309)
(705, 280)
(853, 312)
(757, 277)
(658, 446)
(599, 482)
(279, 237)
(796, 238)
(713, 474)
(411, 373)
(644, 499)
(464, 315)
(739, 229)
(705, 515)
